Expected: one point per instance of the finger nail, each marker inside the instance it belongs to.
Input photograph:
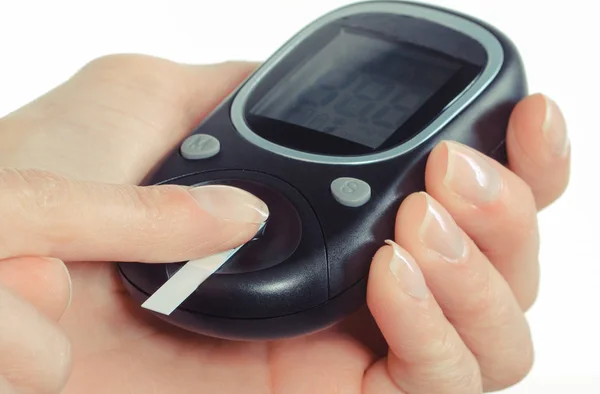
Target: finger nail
(69, 281)
(470, 176)
(407, 272)
(230, 203)
(555, 129)
(440, 233)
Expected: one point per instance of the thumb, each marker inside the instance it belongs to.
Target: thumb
(43, 214)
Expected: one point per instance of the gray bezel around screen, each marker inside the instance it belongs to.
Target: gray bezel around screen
(489, 42)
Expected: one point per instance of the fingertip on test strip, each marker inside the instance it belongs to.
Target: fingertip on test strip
(186, 280)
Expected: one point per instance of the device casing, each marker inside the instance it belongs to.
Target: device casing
(325, 277)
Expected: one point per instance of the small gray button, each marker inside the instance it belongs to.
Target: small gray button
(200, 146)
(351, 192)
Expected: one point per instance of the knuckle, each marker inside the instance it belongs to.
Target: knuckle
(442, 362)
(483, 298)
(158, 207)
(486, 308)
(140, 74)
(513, 372)
(28, 196)
(33, 192)
(468, 382)
(444, 345)
(153, 200)
(119, 62)
(459, 373)
(152, 89)
(147, 202)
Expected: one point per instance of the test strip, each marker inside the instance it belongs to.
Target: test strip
(185, 281)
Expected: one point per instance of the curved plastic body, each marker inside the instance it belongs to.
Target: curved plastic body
(319, 275)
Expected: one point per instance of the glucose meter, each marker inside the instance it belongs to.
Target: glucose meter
(332, 132)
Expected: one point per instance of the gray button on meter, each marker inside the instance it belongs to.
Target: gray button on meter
(200, 146)
(351, 192)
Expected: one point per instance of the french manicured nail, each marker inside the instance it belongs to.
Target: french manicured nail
(231, 203)
(555, 129)
(407, 272)
(470, 176)
(440, 233)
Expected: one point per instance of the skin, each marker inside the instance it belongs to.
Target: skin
(78, 152)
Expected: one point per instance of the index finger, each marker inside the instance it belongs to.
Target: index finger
(48, 215)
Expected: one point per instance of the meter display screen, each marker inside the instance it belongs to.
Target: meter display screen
(358, 87)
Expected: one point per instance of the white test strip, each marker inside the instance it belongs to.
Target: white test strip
(185, 281)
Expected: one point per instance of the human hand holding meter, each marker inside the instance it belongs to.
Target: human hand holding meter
(463, 329)
(450, 271)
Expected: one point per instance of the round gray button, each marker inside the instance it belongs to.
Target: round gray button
(200, 146)
(351, 192)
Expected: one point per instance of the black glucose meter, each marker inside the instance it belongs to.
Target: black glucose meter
(332, 132)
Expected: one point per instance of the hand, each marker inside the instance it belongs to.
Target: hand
(47, 215)
(446, 299)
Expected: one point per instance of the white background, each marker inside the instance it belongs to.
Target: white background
(44, 42)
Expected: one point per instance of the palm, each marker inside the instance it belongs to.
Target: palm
(119, 349)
